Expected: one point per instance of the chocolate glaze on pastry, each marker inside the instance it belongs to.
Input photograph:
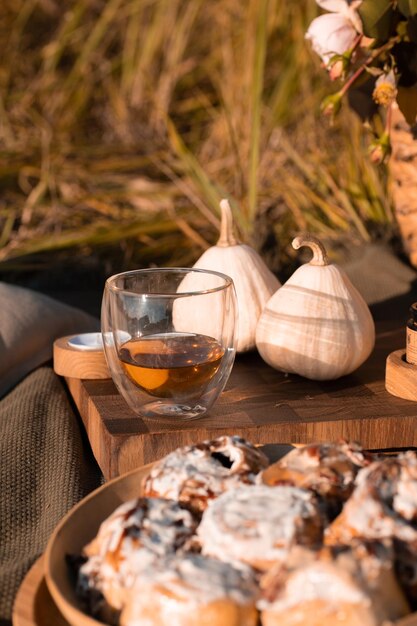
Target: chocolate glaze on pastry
(347, 586)
(198, 473)
(137, 534)
(328, 469)
(383, 504)
(264, 525)
(406, 568)
(258, 525)
(192, 591)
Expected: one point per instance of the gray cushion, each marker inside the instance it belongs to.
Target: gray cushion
(29, 324)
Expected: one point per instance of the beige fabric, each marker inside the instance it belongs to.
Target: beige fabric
(29, 324)
(378, 274)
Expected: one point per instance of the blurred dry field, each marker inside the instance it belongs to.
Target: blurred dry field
(123, 122)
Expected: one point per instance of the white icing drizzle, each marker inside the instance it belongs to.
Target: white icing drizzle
(138, 550)
(154, 523)
(361, 575)
(315, 581)
(130, 540)
(200, 579)
(405, 499)
(259, 523)
(384, 501)
(328, 468)
(175, 587)
(338, 455)
(196, 471)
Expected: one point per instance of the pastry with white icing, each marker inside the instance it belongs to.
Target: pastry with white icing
(406, 568)
(383, 504)
(136, 535)
(258, 525)
(192, 591)
(328, 469)
(347, 586)
(198, 473)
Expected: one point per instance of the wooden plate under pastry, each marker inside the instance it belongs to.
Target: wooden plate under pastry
(75, 530)
(34, 605)
(81, 524)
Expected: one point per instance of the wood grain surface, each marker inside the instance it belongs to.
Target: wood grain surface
(261, 404)
(34, 605)
(400, 376)
(85, 364)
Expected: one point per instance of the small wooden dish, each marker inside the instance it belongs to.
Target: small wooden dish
(79, 363)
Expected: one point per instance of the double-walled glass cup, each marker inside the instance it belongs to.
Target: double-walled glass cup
(169, 338)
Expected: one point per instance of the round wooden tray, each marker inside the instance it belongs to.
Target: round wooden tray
(35, 607)
(33, 604)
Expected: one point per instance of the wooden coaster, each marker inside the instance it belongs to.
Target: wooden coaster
(85, 364)
(400, 376)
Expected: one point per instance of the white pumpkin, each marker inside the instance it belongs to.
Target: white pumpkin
(317, 324)
(254, 282)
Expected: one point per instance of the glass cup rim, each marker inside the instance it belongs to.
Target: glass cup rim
(168, 270)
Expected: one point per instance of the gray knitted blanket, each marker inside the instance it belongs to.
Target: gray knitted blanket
(46, 466)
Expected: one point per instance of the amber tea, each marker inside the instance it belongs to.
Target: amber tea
(170, 365)
(179, 368)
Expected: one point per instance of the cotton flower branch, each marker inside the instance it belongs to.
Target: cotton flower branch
(331, 105)
(335, 34)
(373, 37)
(385, 90)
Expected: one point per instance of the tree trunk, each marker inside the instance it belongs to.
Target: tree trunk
(403, 182)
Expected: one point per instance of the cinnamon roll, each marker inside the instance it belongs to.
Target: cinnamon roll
(406, 568)
(347, 586)
(137, 534)
(258, 525)
(328, 469)
(192, 591)
(383, 504)
(198, 473)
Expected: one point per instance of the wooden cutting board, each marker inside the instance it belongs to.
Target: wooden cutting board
(261, 404)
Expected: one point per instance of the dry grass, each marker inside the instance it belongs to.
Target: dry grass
(123, 122)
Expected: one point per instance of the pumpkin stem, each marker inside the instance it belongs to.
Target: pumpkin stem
(227, 237)
(319, 251)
